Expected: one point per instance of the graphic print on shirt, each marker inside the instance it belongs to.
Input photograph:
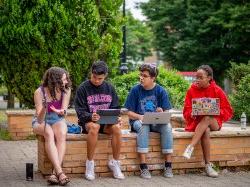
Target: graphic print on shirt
(149, 104)
(99, 101)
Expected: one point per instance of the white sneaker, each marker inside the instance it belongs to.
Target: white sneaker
(188, 152)
(115, 167)
(210, 170)
(90, 173)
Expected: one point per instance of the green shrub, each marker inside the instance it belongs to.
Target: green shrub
(175, 85)
(3, 117)
(241, 99)
(4, 134)
(237, 72)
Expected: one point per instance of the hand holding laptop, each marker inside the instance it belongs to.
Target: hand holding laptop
(108, 116)
(159, 109)
(95, 117)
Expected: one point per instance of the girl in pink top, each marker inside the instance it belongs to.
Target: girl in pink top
(51, 102)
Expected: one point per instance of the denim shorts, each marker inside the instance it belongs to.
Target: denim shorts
(51, 119)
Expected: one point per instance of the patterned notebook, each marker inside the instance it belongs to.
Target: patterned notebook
(205, 106)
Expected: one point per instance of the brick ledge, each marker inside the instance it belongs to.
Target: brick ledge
(225, 132)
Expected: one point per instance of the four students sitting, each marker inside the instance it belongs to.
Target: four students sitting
(95, 94)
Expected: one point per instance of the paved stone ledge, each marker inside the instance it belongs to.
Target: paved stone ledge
(224, 132)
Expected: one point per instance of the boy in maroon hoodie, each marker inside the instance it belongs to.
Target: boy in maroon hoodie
(205, 87)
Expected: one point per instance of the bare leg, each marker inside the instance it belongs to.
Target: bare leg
(206, 122)
(92, 138)
(60, 131)
(205, 144)
(168, 157)
(115, 131)
(50, 145)
(142, 157)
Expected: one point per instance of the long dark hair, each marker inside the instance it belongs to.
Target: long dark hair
(52, 79)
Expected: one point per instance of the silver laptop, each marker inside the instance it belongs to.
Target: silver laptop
(108, 116)
(156, 118)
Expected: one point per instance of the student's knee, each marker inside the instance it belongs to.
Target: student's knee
(48, 134)
(93, 129)
(116, 131)
(206, 119)
(137, 126)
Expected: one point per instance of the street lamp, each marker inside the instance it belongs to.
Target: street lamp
(123, 66)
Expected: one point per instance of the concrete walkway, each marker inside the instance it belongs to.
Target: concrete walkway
(14, 155)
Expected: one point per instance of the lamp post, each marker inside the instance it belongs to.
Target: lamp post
(124, 67)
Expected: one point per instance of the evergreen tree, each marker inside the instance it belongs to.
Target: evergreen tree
(38, 34)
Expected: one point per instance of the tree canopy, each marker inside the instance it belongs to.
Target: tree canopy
(191, 32)
(38, 34)
(139, 38)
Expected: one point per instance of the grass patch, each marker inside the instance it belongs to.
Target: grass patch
(31, 137)
(3, 117)
(4, 134)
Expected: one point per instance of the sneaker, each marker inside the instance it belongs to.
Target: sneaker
(115, 167)
(168, 173)
(90, 173)
(210, 170)
(145, 174)
(188, 152)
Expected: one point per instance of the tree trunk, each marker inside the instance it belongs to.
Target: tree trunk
(11, 100)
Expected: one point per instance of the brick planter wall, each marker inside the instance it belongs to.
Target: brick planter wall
(19, 122)
(229, 147)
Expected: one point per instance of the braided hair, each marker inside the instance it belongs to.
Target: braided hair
(208, 70)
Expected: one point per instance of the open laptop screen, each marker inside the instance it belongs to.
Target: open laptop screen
(108, 116)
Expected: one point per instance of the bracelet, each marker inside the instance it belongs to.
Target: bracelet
(64, 112)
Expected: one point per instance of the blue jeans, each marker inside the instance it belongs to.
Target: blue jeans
(143, 136)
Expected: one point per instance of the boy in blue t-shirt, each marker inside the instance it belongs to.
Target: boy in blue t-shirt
(150, 97)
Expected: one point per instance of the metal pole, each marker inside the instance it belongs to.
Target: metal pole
(123, 67)
(124, 36)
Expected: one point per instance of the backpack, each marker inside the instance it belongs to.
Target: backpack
(74, 128)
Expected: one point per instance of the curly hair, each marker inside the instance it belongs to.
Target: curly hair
(53, 79)
(151, 68)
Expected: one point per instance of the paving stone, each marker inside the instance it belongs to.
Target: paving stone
(14, 155)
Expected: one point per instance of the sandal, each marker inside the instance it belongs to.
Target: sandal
(53, 180)
(65, 180)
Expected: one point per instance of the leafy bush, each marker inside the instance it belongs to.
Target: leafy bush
(241, 99)
(175, 85)
(238, 71)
